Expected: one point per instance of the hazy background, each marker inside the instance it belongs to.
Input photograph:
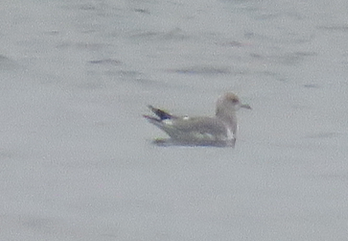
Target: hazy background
(76, 160)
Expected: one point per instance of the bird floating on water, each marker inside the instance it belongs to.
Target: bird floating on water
(219, 130)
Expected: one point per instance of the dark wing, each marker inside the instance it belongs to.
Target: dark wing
(163, 115)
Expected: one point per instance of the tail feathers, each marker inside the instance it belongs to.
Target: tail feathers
(160, 113)
(152, 119)
(155, 121)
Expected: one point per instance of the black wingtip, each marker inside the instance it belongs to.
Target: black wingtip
(151, 118)
(160, 113)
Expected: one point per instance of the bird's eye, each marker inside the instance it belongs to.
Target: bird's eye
(235, 100)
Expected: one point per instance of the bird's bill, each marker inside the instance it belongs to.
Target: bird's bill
(246, 106)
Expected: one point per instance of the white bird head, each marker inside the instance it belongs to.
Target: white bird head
(229, 102)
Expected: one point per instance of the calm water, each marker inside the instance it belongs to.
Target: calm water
(76, 156)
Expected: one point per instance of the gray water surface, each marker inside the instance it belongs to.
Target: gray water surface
(76, 157)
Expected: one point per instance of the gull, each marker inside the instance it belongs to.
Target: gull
(219, 130)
